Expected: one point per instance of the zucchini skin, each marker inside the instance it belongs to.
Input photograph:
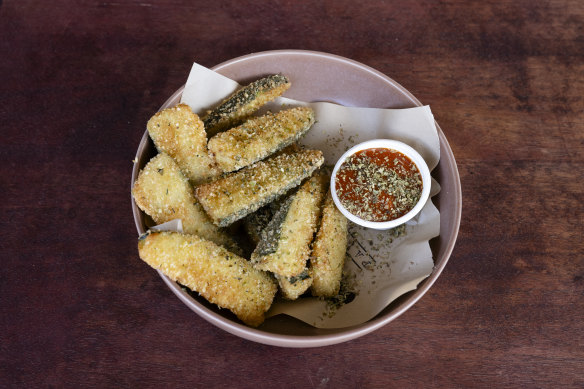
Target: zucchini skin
(237, 194)
(259, 137)
(254, 223)
(285, 245)
(244, 102)
(220, 276)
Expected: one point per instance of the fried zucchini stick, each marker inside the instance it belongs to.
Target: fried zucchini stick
(245, 101)
(285, 244)
(256, 222)
(164, 193)
(259, 137)
(238, 194)
(293, 287)
(218, 275)
(178, 132)
(328, 251)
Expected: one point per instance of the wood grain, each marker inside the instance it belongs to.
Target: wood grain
(78, 82)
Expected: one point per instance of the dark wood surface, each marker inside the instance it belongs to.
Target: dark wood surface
(79, 80)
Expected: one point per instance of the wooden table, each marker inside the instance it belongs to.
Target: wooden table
(79, 80)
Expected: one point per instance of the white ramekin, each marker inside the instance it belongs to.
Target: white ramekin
(408, 152)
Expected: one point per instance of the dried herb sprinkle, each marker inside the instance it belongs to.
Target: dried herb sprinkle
(378, 184)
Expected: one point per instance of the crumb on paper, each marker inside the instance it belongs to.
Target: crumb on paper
(363, 248)
(348, 291)
(398, 231)
(335, 140)
(352, 139)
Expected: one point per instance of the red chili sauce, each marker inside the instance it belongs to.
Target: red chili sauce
(378, 184)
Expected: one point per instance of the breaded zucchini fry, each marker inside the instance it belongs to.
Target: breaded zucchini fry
(293, 287)
(245, 101)
(218, 275)
(328, 251)
(178, 132)
(256, 222)
(259, 137)
(164, 193)
(285, 244)
(238, 194)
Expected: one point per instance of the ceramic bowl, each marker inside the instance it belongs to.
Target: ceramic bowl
(323, 77)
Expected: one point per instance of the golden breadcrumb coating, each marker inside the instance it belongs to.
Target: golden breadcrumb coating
(328, 251)
(285, 244)
(259, 137)
(293, 287)
(240, 193)
(217, 274)
(164, 193)
(180, 133)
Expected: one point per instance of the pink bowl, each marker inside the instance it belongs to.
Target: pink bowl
(323, 77)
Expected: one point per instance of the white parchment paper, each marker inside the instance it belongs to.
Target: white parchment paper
(382, 264)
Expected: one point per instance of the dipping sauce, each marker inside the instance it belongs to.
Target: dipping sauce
(378, 184)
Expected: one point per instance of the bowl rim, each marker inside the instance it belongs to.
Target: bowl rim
(349, 333)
